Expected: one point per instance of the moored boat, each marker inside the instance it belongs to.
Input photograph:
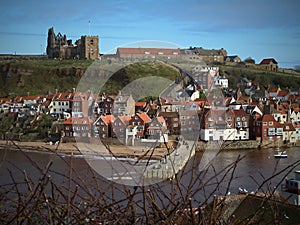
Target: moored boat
(280, 154)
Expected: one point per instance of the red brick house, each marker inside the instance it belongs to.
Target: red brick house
(267, 128)
(240, 123)
(103, 126)
(106, 105)
(78, 127)
(156, 128)
(212, 123)
(172, 122)
(140, 120)
(119, 127)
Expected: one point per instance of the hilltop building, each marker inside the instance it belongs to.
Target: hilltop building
(87, 47)
(133, 54)
(269, 64)
(205, 55)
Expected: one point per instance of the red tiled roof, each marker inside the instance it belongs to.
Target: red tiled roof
(73, 120)
(46, 103)
(282, 93)
(108, 119)
(5, 100)
(18, 99)
(268, 61)
(144, 117)
(30, 97)
(272, 89)
(267, 118)
(140, 104)
(63, 96)
(239, 112)
(288, 127)
(161, 119)
(125, 119)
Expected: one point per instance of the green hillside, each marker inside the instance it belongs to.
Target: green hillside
(42, 76)
(261, 77)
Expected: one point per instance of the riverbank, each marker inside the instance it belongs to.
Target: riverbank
(85, 149)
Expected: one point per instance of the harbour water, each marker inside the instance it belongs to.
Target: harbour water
(255, 167)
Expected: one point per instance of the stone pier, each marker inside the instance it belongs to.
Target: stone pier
(173, 163)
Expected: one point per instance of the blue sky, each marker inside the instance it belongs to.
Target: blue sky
(256, 28)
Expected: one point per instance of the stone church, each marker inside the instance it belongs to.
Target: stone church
(58, 47)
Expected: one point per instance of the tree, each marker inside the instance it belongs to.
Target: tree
(249, 60)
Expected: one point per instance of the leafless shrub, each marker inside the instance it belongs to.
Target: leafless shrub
(67, 197)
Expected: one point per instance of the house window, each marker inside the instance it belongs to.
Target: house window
(210, 119)
(271, 123)
(175, 125)
(265, 123)
(243, 118)
(271, 131)
(175, 119)
(229, 118)
(238, 119)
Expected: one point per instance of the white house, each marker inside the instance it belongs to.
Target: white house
(61, 103)
(221, 81)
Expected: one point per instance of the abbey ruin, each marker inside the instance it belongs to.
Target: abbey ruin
(59, 47)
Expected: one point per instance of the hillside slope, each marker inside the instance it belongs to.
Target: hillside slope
(42, 76)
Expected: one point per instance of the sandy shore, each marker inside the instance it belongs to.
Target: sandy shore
(84, 148)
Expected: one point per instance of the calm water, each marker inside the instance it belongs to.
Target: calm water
(251, 171)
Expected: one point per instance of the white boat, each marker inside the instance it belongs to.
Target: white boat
(280, 154)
